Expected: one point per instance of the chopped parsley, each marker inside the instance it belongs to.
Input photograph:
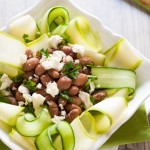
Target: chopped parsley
(31, 85)
(29, 109)
(44, 52)
(71, 70)
(26, 38)
(66, 96)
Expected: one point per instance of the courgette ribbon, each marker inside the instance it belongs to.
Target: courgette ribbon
(97, 120)
(58, 136)
(54, 21)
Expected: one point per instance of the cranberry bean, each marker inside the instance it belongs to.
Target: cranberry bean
(39, 70)
(53, 108)
(73, 90)
(30, 64)
(19, 97)
(29, 53)
(38, 55)
(42, 92)
(53, 74)
(12, 100)
(86, 71)
(28, 74)
(64, 83)
(70, 107)
(66, 49)
(80, 80)
(72, 115)
(67, 59)
(76, 100)
(86, 61)
(99, 96)
(49, 98)
(73, 55)
(45, 79)
(36, 79)
(62, 101)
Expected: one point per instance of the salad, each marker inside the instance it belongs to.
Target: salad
(59, 88)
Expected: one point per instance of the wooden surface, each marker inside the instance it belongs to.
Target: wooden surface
(122, 16)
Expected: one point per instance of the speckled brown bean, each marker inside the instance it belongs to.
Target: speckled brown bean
(42, 92)
(49, 98)
(86, 61)
(62, 101)
(76, 100)
(86, 71)
(19, 96)
(28, 74)
(50, 51)
(73, 55)
(72, 115)
(12, 100)
(30, 64)
(53, 74)
(29, 53)
(39, 70)
(66, 49)
(38, 55)
(45, 79)
(53, 108)
(99, 96)
(73, 90)
(64, 83)
(70, 107)
(35, 79)
(80, 80)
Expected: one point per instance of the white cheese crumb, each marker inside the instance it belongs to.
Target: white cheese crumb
(43, 58)
(77, 61)
(23, 89)
(23, 59)
(67, 59)
(30, 78)
(52, 89)
(39, 86)
(54, 41)
(21, 103)
(27, 97)
(92, 87)
(63, 113)
(61, 106)
(5, 82)
(57, 119)
(78, 49)
(85, 98)
(38, 100)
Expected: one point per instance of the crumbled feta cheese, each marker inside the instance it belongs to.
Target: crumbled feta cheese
(38, 100)
(77, 61)
(39, 86)
(59, 55)
(78, 49)
(43, 58)
(27, 97)
(5, 82)
(63, 113)
(92, 87)
(54, 41)
(57, 119)
(21, 103)
(85, 98)
(52, 89)
(23, 89)
(30, 78)
(67, 59)
(61, 106)
(6, 93)
(36, 76)
(23, 59)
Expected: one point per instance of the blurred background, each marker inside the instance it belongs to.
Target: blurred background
(122, 16)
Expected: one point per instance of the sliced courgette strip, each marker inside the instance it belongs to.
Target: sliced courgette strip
(29, 125)
(110, 78)
(57, 136)
(53, 18)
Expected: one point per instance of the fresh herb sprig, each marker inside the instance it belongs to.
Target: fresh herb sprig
(44, 52)
(66, 96)
(26, 38)
(31, 85)
(71, 70)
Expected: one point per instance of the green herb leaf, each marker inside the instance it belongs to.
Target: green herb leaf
(66, 96)
(92, 99)
(26, 38)
(29, 109)
(44, 52)
(71, 70)
(31, 85)
(18, 78)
